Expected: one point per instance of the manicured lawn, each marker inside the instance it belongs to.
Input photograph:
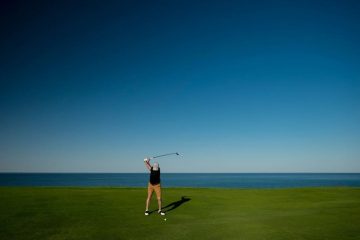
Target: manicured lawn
(118, 213)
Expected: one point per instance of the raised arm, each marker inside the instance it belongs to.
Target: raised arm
(147, 163)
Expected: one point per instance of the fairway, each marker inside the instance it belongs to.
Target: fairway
(118, 213)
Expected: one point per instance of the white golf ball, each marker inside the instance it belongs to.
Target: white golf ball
(164, 219)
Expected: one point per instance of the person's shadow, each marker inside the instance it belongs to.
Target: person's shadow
(176, 204)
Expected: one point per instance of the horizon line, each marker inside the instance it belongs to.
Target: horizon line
(24, 172)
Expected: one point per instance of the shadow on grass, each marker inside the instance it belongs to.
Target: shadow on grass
(174, 205)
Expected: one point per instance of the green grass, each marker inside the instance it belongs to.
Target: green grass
(118, 213)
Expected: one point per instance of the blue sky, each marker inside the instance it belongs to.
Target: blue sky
(235, 86)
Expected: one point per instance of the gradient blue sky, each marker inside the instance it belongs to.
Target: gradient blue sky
(236, 86)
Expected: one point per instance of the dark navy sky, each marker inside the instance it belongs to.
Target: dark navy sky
(236, 86)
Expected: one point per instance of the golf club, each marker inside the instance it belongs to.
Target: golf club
(163, 155)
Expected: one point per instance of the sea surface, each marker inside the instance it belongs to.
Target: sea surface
(218, 180)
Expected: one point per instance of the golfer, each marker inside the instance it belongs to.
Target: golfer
(154, 185)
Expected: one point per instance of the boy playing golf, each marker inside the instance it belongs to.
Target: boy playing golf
(154, 185)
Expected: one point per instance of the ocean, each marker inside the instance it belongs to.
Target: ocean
(204, 180)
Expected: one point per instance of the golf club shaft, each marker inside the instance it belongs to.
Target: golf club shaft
(163, 155)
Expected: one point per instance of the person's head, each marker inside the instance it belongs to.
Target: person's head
(156, 166)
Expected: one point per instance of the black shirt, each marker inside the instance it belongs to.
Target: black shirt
(154, 176)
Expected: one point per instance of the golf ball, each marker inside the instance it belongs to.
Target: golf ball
(164, 219)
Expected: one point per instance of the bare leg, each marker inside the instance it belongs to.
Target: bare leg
(159, 203)
(148, 200)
